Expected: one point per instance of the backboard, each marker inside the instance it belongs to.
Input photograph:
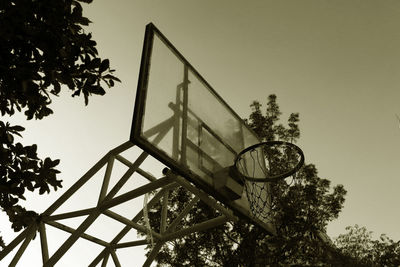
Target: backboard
(182, 121)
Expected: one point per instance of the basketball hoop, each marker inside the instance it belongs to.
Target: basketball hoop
(262, 165)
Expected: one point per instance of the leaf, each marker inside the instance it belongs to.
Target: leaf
(47, 163)
(17, 128)
(105, 64)
(116, 79)
(29, 186)
(98, 90)
(77, 11)
(57, 88)
(86, 96)
(111, 77)
(31, 151)
(95, 63)
(76, 93)
(87, 60)
(55, 162)
(84, 21)
(10, 138)
(91, 79)
(46, 49)
(43, 189)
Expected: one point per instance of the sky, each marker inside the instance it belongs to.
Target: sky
(337, 63)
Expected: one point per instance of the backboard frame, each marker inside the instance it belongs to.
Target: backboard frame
(138, 116)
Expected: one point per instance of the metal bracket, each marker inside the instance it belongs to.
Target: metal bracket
(162, 186)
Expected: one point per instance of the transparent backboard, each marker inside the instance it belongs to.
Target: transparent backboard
(180, 120)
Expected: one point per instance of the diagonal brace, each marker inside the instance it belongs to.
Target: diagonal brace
(136, 193)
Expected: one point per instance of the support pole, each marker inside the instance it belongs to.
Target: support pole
(115, 258)
(30, 235)
(185, 103)
(106, 179)
(43, 242)
(105, 260)
(14, 243)
(98, 258)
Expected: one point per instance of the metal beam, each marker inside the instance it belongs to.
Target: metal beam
(72, 239)
(126, 176)
(159, 128)
(115, 258)
(135, 219)
(83, 235)
(131, 244)
(22, 248)
(128, 222)
(77, 185)
(146, 175)
(92, 171)
(14, 243)
(203, 196)
(129, 164)
(153, 254)
(136, 193)
(68, 215)
(43, 242)
(121, 148)
(98, 258)
(196, 228)
(106, 179)
(184, 114)
(184, 212)
(105, 260)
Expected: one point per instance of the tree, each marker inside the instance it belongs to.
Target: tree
(43, 50)
(301, 210)
(358, 244)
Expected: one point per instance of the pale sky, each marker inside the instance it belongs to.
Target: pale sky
(337, 63)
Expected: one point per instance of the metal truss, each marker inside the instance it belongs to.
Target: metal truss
(106, 201)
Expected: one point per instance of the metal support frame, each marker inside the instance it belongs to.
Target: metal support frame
(108, 199)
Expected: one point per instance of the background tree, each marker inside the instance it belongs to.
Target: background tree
(301, 211)
(358, 244)
(43, 50)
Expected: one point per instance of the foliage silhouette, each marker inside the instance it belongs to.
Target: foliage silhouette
(302, 211)
(358, 244)
(43, 50)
